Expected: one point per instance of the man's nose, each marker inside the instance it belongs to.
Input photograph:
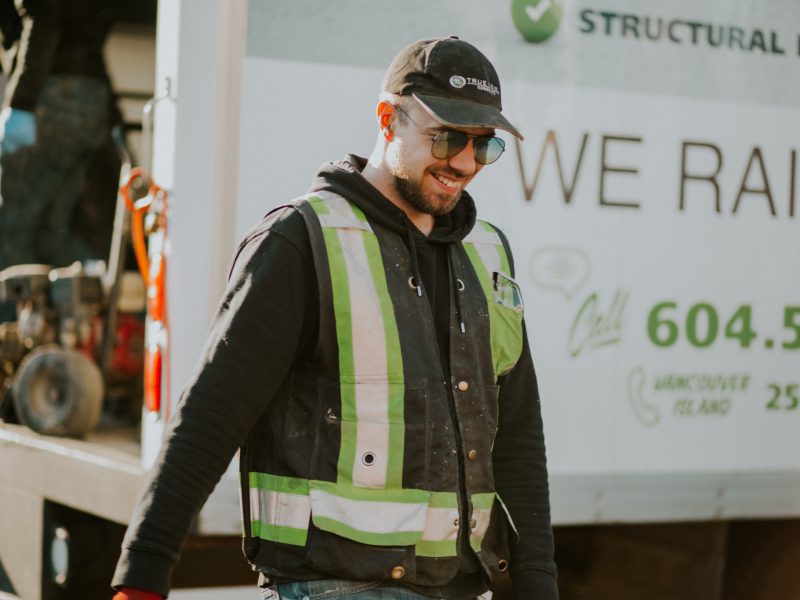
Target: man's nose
(464, 161)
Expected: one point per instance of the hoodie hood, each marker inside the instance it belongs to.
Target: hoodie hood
(344, 177)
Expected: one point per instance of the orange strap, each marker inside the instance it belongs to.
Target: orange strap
(138, 210)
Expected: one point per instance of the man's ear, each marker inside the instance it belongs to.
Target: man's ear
(386, 117)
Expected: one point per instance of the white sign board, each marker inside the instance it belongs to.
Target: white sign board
(652, 208)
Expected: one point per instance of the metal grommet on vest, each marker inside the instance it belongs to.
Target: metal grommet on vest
(502, 565)
(462, 386)
(398, 572)
(460, 285)
(368, 459)
(414, 285)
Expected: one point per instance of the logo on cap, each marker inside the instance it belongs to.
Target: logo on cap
(457, 81)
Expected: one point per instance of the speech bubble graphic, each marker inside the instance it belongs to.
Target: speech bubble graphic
(537, 20)
(560, 268)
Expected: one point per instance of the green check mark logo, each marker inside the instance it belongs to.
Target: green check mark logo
(537, 20)
(536, 12)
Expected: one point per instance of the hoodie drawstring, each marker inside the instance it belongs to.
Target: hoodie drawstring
(457, 287)
(416, 280)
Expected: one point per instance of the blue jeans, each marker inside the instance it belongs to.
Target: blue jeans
(323, 589)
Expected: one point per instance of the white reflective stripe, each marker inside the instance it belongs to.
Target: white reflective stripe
(370, 516)
(441, 524)
(479, 235)
(489, 256)
(340, 214)
(280, 508)
(370, 363)
(481, 517)
(369, 336)
(508, 515)
(372, 453)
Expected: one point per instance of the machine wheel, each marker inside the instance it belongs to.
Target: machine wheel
(58, 391)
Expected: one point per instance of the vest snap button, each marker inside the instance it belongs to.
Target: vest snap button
(473, 523)
(462, 386)
(472, 454)
(398, 572)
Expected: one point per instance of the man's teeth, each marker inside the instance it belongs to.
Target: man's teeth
(447, 182)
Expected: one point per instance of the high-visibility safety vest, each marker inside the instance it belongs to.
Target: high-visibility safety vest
(353, 471)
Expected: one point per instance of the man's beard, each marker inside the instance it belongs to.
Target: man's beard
(412, 193)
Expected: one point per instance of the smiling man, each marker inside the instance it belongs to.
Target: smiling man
(370, 360)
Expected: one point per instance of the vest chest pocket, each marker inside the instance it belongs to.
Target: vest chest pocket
(424, 523)
(380, 517)
(506, 312)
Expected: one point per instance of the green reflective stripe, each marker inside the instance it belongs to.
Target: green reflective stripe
(436, 549)
(400, 538)
(480, 270)
(280, 508)
(482, 501)
(371, 516)
(394, 496)
(275, 533)
(278, 483)
(342, 316)
(505, 266)
(344, 329)
(444, 500)
(318, 205)
(441, 529)
(487, 254)
(486, 284)
(371, 406)
(481, 514)
(371, 370)
(394, 366)
(359, 214)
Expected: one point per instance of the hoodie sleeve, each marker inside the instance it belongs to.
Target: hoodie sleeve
(265, 320)
(520, 470)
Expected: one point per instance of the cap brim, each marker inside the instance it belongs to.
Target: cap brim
(455, 112)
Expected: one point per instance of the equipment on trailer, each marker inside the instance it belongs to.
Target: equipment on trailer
(51, 354)
(78, 337)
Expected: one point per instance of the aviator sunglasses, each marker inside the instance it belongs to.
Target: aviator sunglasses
(448, 143)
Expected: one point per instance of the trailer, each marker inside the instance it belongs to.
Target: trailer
(652, 209)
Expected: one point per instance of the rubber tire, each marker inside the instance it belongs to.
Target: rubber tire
(57, 391)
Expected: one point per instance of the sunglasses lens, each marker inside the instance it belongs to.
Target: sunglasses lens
(488, 149)
(449, 143)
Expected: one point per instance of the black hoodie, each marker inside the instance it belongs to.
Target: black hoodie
(267, 322)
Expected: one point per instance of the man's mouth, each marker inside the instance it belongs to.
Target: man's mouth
(451, 184)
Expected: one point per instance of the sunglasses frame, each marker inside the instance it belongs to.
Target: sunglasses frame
(455, 148)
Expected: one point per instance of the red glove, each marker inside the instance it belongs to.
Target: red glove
(129, 593)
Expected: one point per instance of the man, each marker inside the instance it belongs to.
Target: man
(57, 111)
(370, 352)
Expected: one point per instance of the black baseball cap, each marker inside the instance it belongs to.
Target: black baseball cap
(452, 79)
